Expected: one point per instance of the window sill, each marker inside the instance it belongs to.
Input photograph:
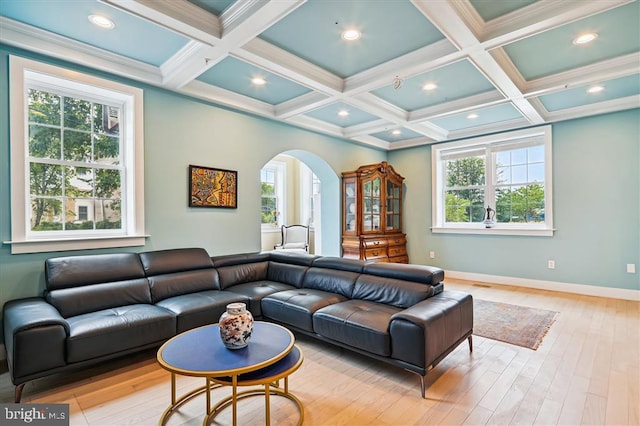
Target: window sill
(528, 232)
(86, 243)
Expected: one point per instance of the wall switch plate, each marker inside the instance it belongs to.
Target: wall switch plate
(432, 255)
(551, 264)
(631, 268)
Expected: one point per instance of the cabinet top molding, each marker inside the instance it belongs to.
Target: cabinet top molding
(382, 167)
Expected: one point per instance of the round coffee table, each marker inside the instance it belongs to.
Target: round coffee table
(270, 356)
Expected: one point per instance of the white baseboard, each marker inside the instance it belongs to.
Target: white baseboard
(583, 289)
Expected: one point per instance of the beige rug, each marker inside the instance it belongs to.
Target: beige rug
(517, 325)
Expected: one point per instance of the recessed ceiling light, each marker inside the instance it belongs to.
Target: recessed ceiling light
(585, 38)
(595, 89)
(472, 116)
(429, 86)
(258, 81)
(102, 21)
(343, 113)
(351, 35)
(396, 132)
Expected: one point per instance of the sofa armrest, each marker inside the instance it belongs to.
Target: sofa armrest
(425, 332)
(23, 314)
(35, 338)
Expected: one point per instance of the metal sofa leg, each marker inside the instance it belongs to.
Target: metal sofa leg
(470, 339)
(18, 392)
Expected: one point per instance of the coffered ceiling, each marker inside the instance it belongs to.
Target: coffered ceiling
(421, 71)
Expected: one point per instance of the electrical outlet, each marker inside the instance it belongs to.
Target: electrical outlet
(551, 264)
(432, 255)
(631, 268)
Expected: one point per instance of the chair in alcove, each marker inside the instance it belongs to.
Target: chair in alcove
(294, 238)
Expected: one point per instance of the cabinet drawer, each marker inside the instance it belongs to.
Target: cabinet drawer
(397, 251)
(375, 243)
(397, 241)
(399, 259)
(374, 253)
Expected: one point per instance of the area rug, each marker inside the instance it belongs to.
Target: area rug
(517, 325)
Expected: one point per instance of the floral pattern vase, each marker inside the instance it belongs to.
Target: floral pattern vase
(236, 325)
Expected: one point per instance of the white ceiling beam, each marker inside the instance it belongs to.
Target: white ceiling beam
(613, 105)
(430, 57)
(244, 22)
(540, 16)
(225, 97)
(480, 100)
(26, 37)
(448, 19)
(594, 73)
(180, 16)
(301, 105)
(280, 62)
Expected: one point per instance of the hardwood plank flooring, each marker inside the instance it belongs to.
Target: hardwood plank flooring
(587, 371)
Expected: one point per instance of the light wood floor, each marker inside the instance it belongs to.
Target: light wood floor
(587, 371)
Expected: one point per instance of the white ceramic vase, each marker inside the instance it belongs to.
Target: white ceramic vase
(236, 326)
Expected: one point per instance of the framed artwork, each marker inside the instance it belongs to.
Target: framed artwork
(209, 187)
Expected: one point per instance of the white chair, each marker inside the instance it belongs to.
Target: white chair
(294, 237)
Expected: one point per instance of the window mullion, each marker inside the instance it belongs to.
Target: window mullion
(490, 179)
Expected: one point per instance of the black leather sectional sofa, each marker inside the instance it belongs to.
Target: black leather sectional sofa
(98, 307)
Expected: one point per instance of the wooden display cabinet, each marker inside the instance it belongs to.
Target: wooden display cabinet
(372, 214)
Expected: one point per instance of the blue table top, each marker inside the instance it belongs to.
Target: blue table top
(200, 352)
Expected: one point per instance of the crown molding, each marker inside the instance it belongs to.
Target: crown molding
(46, 43)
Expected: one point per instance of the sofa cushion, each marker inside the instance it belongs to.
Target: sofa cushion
(296, 307)
(339, 263)
(256, 291)
(408, 272)
(114, 330)
(175, 260)
(358, 323)
(95, 297)
(73, 271)
(198, 309)
(177, 283)
(390, 291)
(242, 273)
(286, 273)
(239, 259)
(330, 280)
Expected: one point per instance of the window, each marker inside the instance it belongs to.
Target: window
(309, 194)
(83, 213)
(76, 157)
(509, 173)
(272, 190)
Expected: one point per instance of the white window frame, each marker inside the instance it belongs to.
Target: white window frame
(308, 194)
(280, 169)
(541, 134)
(23, 72)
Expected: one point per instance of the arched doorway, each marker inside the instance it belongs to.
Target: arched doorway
(326, 214)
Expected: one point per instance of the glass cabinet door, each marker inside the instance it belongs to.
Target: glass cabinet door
(393, 206)
(372, 204)
(350, 204)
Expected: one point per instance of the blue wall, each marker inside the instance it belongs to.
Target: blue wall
(596, 193)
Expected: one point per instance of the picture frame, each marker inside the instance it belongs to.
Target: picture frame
(213, 188)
